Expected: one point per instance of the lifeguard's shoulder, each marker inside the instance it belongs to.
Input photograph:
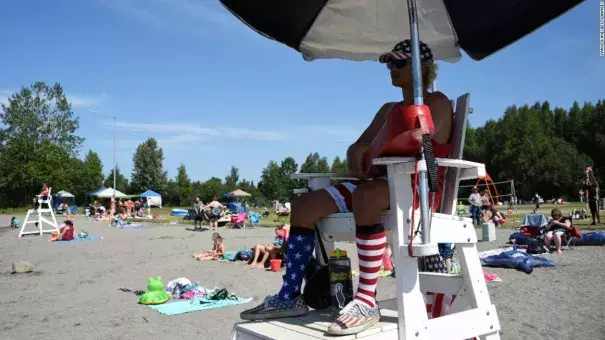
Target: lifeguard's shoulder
(436, 97)
(386, 108)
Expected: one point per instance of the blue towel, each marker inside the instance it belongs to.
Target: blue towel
(186, 306)
(131, 227)
(87, 238)
(535, 220)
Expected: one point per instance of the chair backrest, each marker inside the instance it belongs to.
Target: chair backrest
(450, 185)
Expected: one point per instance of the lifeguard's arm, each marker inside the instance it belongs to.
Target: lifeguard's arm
(365, 140)
(443, 118)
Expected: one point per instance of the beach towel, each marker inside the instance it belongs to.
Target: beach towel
(484, 254)
(518, 260)
(186, 306)
(131, 227)
(88, 238)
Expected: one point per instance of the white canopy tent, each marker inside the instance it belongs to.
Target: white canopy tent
(107, 193)
(64, 194)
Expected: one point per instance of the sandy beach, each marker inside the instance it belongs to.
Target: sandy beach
(74, 291)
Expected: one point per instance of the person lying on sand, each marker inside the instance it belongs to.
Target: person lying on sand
(270, 250)
(215, 253)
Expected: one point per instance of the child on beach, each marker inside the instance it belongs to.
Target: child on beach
(215, 253)
(67, 232)
(15, 224)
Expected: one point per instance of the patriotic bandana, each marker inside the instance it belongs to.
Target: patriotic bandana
(403, 50)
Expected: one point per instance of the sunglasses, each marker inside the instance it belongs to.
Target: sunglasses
(397, 63)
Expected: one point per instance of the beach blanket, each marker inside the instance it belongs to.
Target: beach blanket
(186, 306)
(88, 238)
(517, 260)
(131, 227)
(484, 254)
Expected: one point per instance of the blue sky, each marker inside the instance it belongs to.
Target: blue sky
(215, 94)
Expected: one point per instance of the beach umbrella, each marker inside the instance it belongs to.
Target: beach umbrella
(365, 29)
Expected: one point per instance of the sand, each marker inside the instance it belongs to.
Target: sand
(74, 292)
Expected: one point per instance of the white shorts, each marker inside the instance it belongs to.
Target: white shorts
(342, 194)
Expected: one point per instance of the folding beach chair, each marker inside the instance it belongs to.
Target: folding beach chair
(532, 231)
(254, 219)
(569, 235)
(238, 220)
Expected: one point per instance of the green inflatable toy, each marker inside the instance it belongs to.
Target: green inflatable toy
(155, 292)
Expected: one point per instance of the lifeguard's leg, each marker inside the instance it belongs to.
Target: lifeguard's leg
(306, 210)
(369, 201)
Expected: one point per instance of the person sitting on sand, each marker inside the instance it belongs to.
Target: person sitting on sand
(270, 250)
(556, 228)
(67, 232)
(215, 253)
(497, 217)
(15, 223)
(120, 218)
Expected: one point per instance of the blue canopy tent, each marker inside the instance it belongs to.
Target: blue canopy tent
(155, 199)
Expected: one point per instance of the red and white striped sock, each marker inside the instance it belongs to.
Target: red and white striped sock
(371, 244)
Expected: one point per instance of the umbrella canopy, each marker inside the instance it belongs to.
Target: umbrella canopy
(65, 194)
(364, 29)
(237, 193)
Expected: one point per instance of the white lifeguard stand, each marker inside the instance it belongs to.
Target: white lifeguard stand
(405, 318)
(39, 217)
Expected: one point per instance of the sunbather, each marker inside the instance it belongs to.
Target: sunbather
(269, 251)
(367, 200)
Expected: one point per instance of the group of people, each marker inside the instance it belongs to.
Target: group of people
(482, 209)
(211, 212)
(261, 253)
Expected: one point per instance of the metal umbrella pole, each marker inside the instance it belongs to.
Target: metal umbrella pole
(419, 100)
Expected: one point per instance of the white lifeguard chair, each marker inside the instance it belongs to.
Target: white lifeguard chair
(39, 217)
(405, 317)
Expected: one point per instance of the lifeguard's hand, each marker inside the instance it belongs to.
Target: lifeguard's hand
(356, 167)
(355, 161)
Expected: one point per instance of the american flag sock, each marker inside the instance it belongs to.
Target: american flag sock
(371, 244)
(301, 243)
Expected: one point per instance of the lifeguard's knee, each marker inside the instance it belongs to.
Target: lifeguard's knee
(373, 196)
(302, 213)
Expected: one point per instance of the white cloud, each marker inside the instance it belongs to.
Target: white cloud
(77, 100)
(192, 132)
(181, 15)
(84, 101)
(175, 133)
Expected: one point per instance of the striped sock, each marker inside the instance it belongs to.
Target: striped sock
(371, 244)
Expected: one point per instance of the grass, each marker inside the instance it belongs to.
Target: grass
(272, 220)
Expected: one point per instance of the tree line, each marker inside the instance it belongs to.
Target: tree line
(543, 150)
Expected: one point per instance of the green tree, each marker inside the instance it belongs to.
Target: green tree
(315, 164)
(92, 173)
(148, 170)
(232, 179)
(271, 182)
(121, 181)
(184, 184)
(212, 187)
(38, 143)
(338, 166)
